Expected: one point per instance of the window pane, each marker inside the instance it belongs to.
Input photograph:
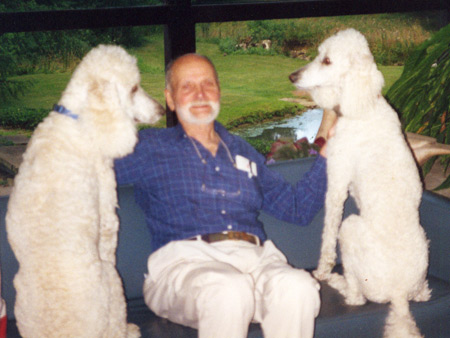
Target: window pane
(36, 67)
(255, 58)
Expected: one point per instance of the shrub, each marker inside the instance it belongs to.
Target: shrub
(387, 52)
(392, 37)
(22, 118)
(285, 149)
(262, 146)
(5, 142)
(10, 89)
(267, 29)
(228, 45)
(260, 115)
(261, 51)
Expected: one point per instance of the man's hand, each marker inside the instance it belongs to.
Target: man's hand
(331, 132)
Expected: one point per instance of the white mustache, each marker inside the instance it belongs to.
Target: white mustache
(200, 103)
(185, 114)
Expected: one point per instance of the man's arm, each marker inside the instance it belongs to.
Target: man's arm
(297, 203)
(128, 168)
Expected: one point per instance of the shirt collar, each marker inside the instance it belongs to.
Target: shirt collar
(179, 134)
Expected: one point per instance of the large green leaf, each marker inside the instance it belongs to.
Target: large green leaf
(444, 185)
(422, 94)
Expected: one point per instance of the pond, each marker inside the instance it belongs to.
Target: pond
(297, 127)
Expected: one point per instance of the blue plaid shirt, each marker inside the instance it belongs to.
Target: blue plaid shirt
(183, 197)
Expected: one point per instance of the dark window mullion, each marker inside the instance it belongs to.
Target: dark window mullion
(179, 38)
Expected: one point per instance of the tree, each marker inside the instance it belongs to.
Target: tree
(10, 89)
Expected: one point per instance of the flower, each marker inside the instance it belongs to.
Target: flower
(287, 149)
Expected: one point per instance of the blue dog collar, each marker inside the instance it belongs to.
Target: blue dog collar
(63, 110)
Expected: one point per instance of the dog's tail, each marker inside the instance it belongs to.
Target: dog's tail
(400, 322)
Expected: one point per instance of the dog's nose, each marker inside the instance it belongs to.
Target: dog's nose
(160, 110)
(294, 77)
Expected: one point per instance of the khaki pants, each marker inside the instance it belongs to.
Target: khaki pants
(220, 288)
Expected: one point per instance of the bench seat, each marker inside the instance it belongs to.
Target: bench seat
(302, 247)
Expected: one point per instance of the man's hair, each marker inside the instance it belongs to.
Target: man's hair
(169, 68)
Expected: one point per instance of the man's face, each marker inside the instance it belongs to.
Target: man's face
(194, 92)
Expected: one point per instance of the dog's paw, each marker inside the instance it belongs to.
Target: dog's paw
(338, 282)
(133, 331)
(355, 299)
(424, 295)
(323, 271)
(322, 274)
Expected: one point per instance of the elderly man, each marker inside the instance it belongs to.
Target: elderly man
(201, 189)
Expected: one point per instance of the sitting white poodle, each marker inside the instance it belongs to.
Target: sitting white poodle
(384, 249)
(61, 220)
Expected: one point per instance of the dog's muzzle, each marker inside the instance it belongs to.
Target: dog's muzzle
(295, 76)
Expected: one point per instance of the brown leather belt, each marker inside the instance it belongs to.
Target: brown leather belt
(228, 235)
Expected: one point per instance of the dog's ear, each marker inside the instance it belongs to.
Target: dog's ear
(361, 86)
(108, 126)
(102, 93)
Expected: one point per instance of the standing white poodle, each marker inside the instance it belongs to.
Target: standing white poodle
(384, 248)
(61, 220)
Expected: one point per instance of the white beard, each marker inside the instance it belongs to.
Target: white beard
(184, 113)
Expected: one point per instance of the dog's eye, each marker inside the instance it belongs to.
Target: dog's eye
(326, 61)
(134, 89)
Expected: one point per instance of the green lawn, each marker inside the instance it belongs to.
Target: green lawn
(249, 82)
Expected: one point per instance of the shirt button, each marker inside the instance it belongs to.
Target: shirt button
(223, 212)
(229, 227)
(217, 168)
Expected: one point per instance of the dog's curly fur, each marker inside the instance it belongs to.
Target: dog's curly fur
(61, 220)
(384, 248)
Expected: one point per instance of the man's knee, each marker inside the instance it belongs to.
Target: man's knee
(232, 287)
(224, 291)
(295, 286)
(225, 305)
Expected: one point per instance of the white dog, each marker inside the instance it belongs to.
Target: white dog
(61, 220)
(384, 249)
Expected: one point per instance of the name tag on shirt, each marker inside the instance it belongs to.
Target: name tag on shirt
(244, 164)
